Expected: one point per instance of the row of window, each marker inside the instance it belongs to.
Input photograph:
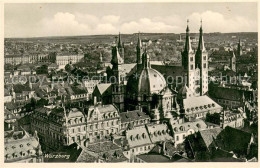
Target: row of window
(20, 154)
(140, 149)
(204, 66)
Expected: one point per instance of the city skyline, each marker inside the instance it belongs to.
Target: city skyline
(85, 19)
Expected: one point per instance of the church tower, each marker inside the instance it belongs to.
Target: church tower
(201, 63)
(120, 47)
(139, 52)
(239, 52)
(117, 83)
(188, 61)
(233, 62)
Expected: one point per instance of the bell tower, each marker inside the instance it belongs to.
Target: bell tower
(188, 61)
(201, 62)
(117, 82)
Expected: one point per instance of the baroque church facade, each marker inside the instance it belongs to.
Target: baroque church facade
(147, 90)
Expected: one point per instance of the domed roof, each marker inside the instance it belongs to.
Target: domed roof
(184, 92)
(146, 81)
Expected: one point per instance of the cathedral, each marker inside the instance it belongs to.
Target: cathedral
(147, 90)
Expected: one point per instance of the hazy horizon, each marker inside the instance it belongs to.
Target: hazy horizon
(56, 20)
(117, 34)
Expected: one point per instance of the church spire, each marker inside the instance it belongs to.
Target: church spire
(188, 42)
(139, 50)
(139, 42)
(201, 40)
(239, 48)
(116, 58)
(119, 45)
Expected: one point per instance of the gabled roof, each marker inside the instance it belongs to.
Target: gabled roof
(102, 87)
(137, 137)
(158, 133)
(132, 116)
(208, 135)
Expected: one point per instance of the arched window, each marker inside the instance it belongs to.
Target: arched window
(175, 129)
(198, 125)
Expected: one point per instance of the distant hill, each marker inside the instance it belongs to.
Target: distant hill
(209, 37)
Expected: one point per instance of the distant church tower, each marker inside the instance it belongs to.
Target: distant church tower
(233, 62)
(117, 83)
(120, 47)
(201, 63)
(239, 51)
(139, 53)
(188, 61)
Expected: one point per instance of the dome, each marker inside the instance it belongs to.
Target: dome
(146, 81)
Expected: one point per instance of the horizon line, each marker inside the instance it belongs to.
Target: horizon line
(123, 34)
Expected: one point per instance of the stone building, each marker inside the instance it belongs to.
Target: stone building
(58, 126)
(102, 121)
(63, 59)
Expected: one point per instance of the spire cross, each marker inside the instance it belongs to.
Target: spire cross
(200, 22)
(188, 21)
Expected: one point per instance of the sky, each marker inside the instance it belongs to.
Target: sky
(66, 19)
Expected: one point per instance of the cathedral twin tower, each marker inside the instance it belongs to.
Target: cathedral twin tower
(195, 64)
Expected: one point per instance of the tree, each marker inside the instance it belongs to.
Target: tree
(42, 103)
(213, 118)
(68, 68)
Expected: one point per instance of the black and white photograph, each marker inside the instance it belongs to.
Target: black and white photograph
(135, 82)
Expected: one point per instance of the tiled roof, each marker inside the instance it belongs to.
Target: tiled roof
(232, 139)
(228, 93)
(159, 133)
(153, 158)
(18, 146)
(208, 135)
(86, 157)
(167, 70)
(138, 137)
(199, 102)
(74, 112)
(103, 146)
(132, 116)
(185, 126)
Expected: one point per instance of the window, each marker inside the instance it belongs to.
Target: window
(191, 59)
(191, 67)
(205, 58)
(183, 136)
(177, 138)
(204, 65)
